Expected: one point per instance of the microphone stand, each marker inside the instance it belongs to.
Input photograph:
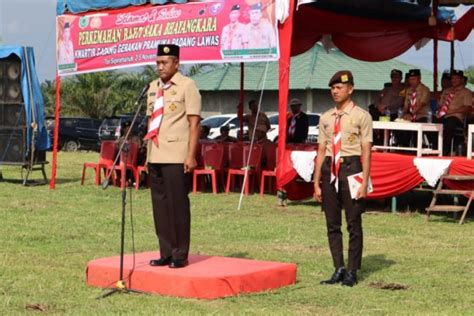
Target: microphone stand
(120, 285)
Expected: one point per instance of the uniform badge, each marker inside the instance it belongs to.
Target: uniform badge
(173, 92)
(351, 138)
(172, 107)
(152, 94)
(166, 50)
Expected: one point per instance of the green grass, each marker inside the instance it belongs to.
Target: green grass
(48, 236)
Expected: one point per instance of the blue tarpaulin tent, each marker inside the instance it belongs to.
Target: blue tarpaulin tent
(78, 6)
(32, 99)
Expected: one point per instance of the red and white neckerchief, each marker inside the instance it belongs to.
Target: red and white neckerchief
(444, 108)
(292, 128)
(336, 150)
(157, 114)
(413, 105)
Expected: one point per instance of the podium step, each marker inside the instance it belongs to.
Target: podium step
(445, 208)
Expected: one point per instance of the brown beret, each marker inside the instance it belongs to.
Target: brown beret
(343, 76)
(168, 50)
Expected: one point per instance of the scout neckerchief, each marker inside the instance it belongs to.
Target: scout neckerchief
(413, 105)
(444, 108)
(157, 114)
(292, 129)
(336, 148)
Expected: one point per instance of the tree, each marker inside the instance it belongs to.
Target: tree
(469, 73)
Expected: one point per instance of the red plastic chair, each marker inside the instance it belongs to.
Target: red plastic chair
(106, 160)
(253, 168)
(213, 160)
(271, 151)
(127, 162)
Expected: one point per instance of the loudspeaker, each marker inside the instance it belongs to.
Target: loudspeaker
(10, 80)
(12, 115)
(12, 145)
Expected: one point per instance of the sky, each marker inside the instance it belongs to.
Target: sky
(32, 23)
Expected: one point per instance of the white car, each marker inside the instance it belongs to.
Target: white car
(313, 130)
(216, 121)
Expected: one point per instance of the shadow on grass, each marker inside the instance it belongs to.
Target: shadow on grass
(238, 255)
(304, 202)
(374, 263)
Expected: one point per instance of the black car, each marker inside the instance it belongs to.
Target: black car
(110, 129)
(76, 133)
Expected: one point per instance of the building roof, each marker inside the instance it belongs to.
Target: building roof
(310, 70)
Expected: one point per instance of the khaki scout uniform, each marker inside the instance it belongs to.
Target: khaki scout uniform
(262, 126)
(356, 129)
(169, 184)
(393, 98)
(423, 105)
(451, 121)
(233, 36)
(261, 35)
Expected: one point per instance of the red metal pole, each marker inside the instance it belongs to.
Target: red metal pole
(435, 49)
(52, 183)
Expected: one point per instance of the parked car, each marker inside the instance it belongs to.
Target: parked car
(313, 130)
(76, 133)
(216, 121)
(110, 128)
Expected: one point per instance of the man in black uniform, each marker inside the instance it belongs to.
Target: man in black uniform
(345, 141)
(297, 123)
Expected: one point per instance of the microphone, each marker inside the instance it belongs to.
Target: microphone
(143, 93)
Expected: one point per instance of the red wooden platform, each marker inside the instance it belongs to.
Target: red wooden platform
(205, 277)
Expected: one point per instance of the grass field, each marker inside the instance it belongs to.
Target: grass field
(47, 238)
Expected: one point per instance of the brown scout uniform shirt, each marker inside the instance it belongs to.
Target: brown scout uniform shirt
(392, 98)
(423, 98)
(356, 129)
(180, 100)
(461, 101)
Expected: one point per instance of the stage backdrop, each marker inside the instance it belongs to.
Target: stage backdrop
(123, 38)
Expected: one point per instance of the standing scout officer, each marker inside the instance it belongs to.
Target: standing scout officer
(345, 141)
(455, 103)
(233, 34)
(174, 107)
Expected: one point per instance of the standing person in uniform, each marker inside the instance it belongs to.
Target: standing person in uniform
(298, 123)
(416, 106)
(454, 105)
(233, 34)
(345, 141)
(174, 107)
(259, 32)
(262, 122)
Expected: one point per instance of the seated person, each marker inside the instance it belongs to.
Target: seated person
(224, 136)
(392, 96)
(455, 104)
(204, 133)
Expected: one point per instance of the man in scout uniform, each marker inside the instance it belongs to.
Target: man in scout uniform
(233, 34)
(454, 105)
(259, 32)
(345, 141)
(174, 107)
(297, 123)
(262, 122)
(391, 97)
(417, 104)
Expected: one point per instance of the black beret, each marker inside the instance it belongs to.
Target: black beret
(396, 72)
(168, 50)
(235, 7)
(66, 25)
(414, 73)
(459, 73)
(446, 75)
(343, 76)
(256, 6)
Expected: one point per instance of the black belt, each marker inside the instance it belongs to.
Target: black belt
(344, 159)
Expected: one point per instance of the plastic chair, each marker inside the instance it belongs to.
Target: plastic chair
(271, 151)
(213, 159)
(253, 169)
(127, 162)
(106, 160)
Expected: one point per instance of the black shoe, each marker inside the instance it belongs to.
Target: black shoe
(163, 261)
(178, 263)
(350, 279)
(337, 277)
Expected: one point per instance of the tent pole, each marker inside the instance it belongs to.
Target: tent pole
(52, 183)
(435, 48)
(285, 33)
(451, 44)
(241, 103)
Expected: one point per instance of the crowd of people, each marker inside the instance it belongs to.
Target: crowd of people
(412, 101)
